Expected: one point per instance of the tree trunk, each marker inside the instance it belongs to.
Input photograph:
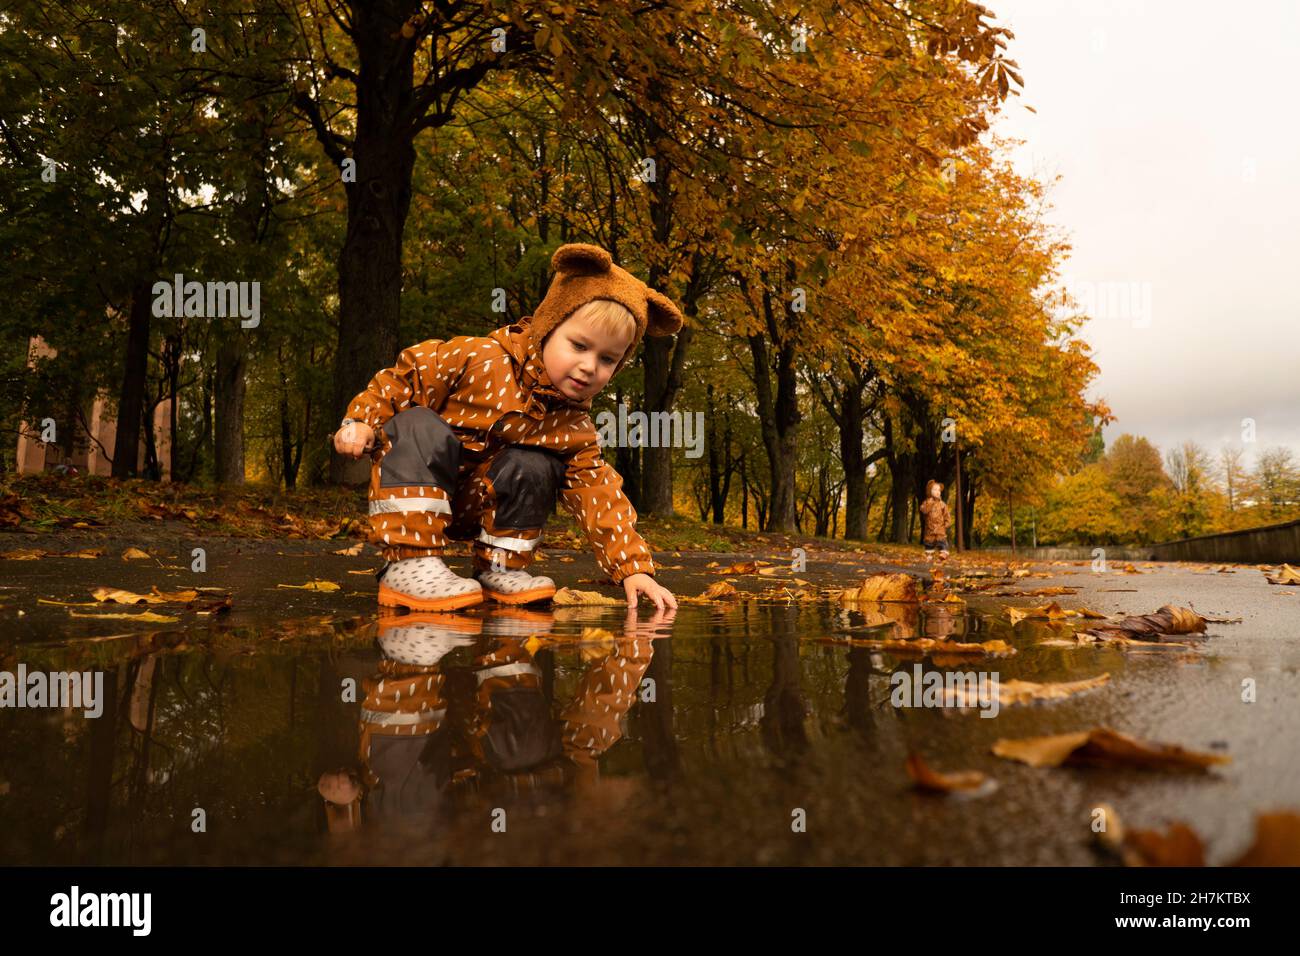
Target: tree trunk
(370, 262)
(232, 360)
(664, 358)
(130, 403)
(744, 496)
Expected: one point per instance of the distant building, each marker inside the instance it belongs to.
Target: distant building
(91, 451)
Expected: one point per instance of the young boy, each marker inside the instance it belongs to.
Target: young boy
(934, 521)
(473, 438)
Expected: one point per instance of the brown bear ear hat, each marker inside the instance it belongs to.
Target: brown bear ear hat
(584, 272)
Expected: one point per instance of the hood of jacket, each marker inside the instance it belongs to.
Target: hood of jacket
(526, 353)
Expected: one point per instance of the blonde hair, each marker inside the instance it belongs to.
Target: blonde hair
(609, 316)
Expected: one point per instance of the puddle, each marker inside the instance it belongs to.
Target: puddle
(748, 732)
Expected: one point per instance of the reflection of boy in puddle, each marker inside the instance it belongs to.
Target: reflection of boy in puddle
(490, 723)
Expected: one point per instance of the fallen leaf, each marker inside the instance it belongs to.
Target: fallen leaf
(898, 588)
(1023, 692)
(719, 590)
(1179, 847)
(931, 780)
(23, 554)
(1104, 747)
(134, 554)
(1277, 841)
(312, 586)
(148, 616)
(1285, 575)
(1168, 620)
(568, 596)
(355, 549)
(924, 645)
(84, 553)
(118, 596)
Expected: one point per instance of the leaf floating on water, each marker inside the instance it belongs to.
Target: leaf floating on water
(118, 596)
(1103, 747)
(926, 645)
(1022, 692)
(146, 616)
(134, 554)
(568, 596)
(312, 586)
(896, 588)
(1050, 612)
(926, 778)
(720, 590)
(355, 549)
(23, 554)
(1039, 592)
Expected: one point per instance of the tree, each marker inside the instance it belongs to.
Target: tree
(1190, 498)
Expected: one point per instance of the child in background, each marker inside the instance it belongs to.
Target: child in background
(935, 520)
(474, 437)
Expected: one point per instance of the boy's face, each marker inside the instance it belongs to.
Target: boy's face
(579, 357)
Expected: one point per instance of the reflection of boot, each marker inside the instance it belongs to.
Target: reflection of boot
(515, 586)
(426, 584)
(516, 621)
(424, 639)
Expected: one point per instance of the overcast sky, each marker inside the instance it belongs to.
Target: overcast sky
(1174, 128)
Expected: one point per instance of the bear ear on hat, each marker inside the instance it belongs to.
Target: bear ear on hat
(581, 257)
(662, 316)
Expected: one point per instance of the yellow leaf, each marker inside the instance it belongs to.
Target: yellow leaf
(568, 596)
(147, 616)
(1104, 747)
(312, 586)
(1285, 575)
(901, 588)
(134, 554)
(927, 779)
(118, 596)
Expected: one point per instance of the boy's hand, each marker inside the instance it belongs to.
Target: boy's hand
(354, 440)
(635, 584)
